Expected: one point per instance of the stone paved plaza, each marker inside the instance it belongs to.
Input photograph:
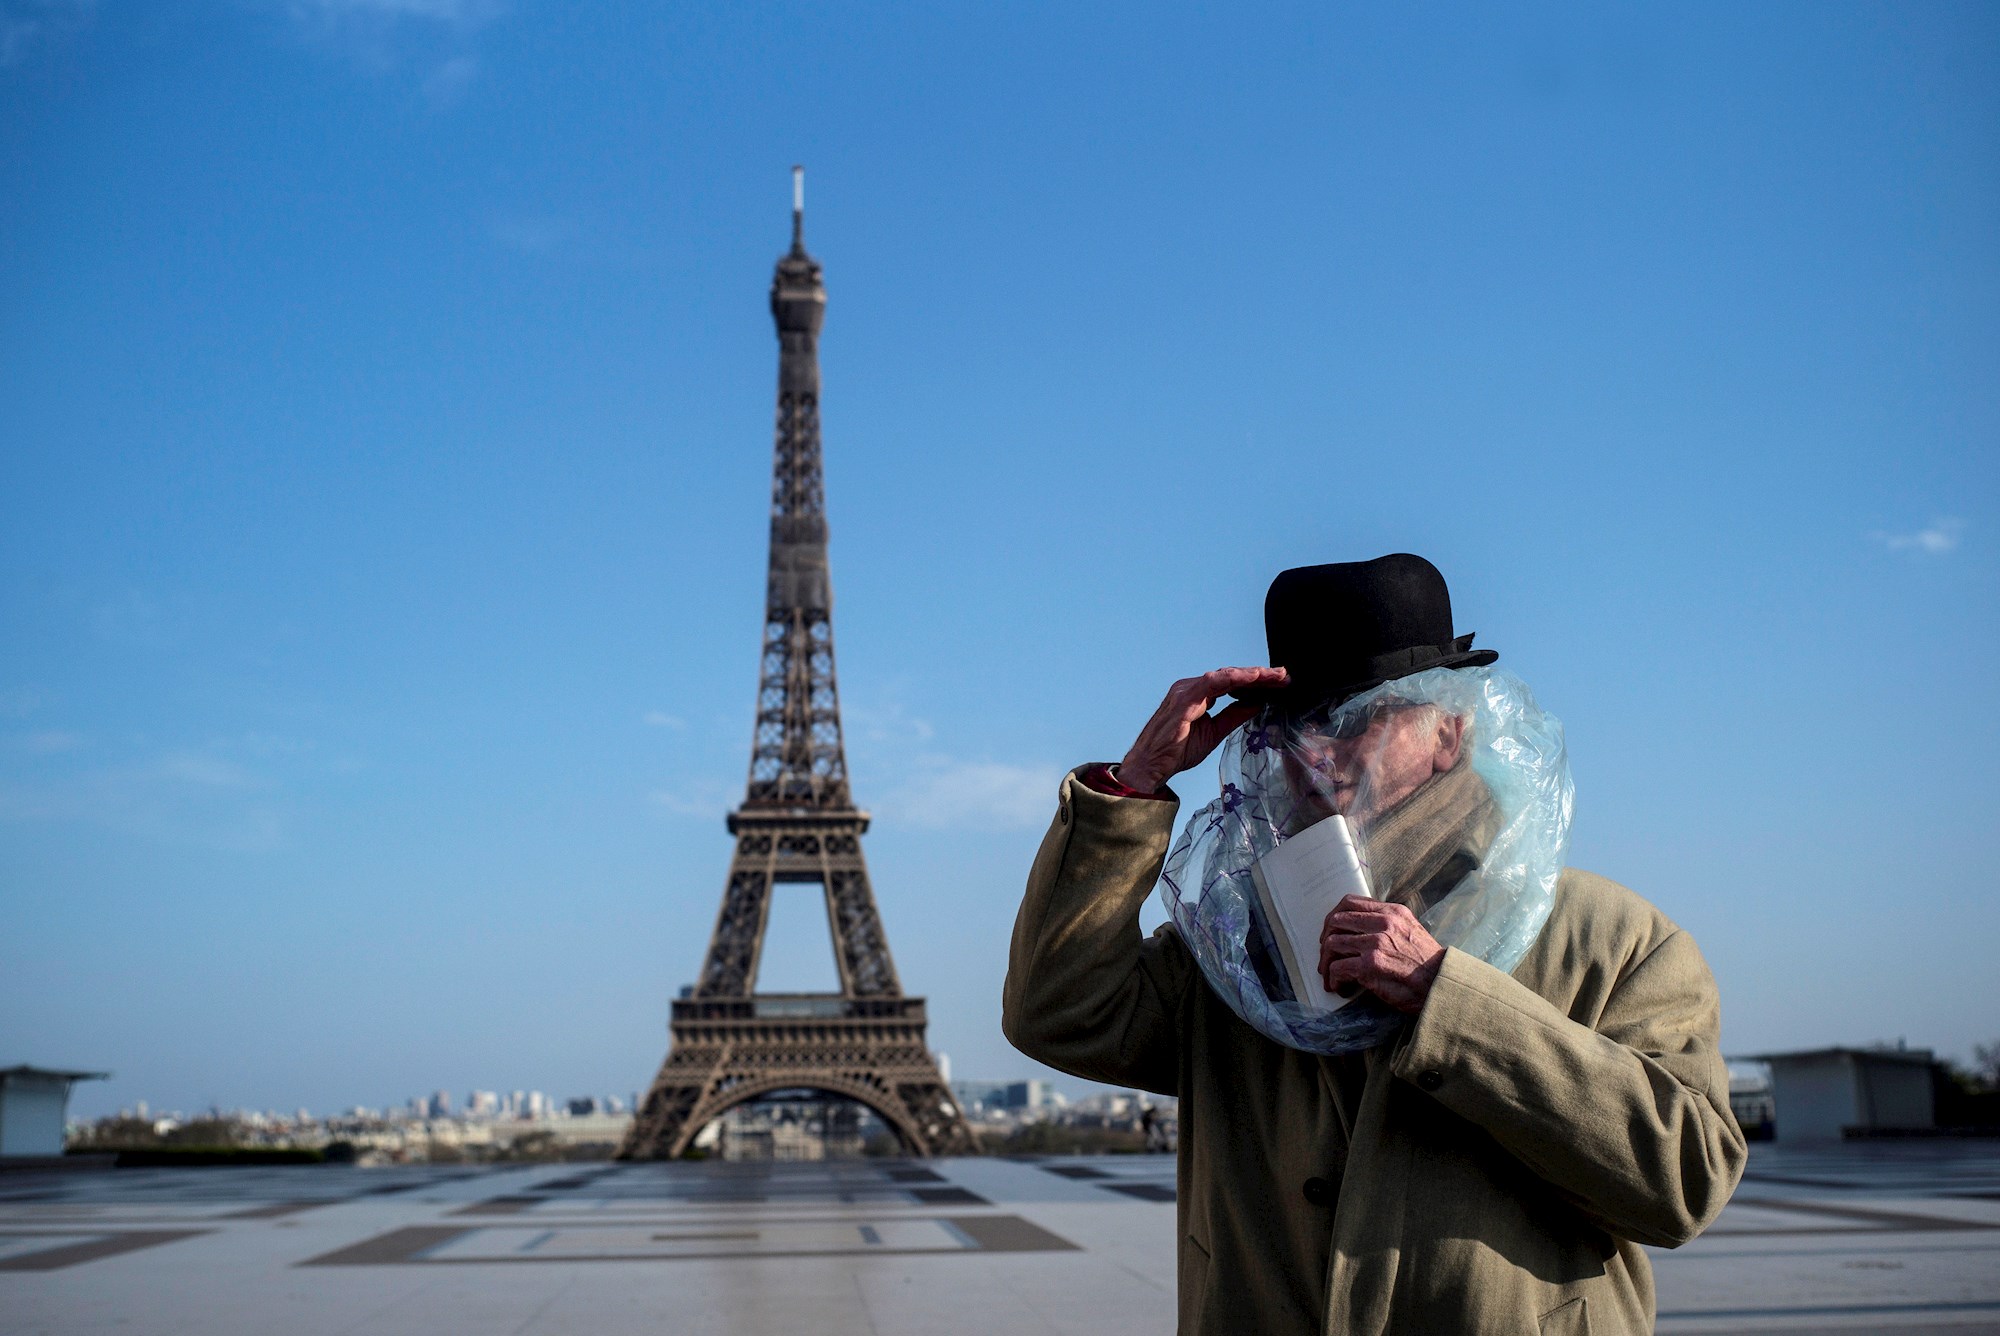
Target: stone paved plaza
(1900, 1237)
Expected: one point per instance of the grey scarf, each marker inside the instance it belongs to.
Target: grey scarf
(1425, 845)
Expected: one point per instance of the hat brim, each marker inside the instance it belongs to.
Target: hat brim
(1299, 696)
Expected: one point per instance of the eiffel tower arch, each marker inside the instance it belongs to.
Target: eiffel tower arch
(797, 823)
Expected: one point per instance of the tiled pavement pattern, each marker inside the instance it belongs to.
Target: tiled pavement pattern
(1881, 1237)
(1877, 1238)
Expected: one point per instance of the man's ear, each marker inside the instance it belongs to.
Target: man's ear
(1450, 742)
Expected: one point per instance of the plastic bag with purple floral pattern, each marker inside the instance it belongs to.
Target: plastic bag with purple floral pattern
(1451, 790)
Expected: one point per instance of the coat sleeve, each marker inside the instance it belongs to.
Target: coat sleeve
(1086, 992)
(1628, 1118)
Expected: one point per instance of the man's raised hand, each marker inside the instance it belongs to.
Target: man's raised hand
(1182, 732)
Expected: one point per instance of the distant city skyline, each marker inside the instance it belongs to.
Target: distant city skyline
(527, 1102)
(437, 1104)
(385, 458)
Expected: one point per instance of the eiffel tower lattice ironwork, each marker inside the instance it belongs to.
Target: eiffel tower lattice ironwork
(798, 823)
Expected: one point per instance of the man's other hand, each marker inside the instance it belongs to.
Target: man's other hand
(1380, 946)
(1182, 732)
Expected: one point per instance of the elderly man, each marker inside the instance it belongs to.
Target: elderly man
(1496, 1164)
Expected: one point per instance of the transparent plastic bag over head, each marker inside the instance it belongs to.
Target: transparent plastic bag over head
(1447, 791)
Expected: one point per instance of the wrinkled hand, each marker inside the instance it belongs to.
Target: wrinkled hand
(1379, 946)
(1182, 732)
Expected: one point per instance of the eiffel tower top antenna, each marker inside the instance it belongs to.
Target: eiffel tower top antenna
(798, 209)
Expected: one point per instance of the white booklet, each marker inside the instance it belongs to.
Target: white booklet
(1299, 883)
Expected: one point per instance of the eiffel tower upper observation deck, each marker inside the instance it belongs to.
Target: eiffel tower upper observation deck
(797, 823)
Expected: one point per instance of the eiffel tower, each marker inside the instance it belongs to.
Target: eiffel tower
(798, 823)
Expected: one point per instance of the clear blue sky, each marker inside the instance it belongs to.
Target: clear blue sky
(385, 408)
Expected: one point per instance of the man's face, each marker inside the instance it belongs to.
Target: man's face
(1361, 764)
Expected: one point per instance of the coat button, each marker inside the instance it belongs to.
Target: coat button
(1319, 1192)
(1429, 1080)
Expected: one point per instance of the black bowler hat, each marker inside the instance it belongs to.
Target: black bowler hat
(1351, 625)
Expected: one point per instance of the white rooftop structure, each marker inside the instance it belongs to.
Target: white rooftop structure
(1821, 1093)
(34, 1104)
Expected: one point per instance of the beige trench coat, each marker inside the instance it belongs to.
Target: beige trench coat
(1493, 1169)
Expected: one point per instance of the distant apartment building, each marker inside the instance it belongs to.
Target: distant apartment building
(1030, 1094)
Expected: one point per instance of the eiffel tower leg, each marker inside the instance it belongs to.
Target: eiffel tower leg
(933, 1109)
(739, 926)
(663, 1126)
